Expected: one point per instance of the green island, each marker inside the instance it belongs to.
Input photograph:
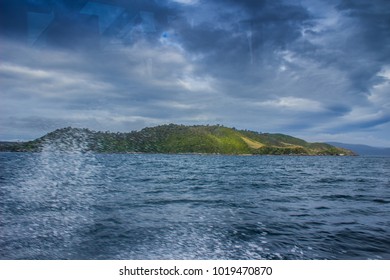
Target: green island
(175, 139)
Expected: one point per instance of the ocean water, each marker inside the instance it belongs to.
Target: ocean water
(150, 206)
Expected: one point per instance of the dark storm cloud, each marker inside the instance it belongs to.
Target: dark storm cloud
(237, 41)
(358, 44)
(80, 23)
(248, 28)
(372, 18)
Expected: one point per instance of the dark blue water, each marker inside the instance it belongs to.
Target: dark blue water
(88, 206)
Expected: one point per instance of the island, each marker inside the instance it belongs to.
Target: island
(175, 139)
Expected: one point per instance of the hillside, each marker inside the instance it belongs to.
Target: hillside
(364, 150)
(173, 138)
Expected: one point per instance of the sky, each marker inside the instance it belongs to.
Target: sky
(314, 69)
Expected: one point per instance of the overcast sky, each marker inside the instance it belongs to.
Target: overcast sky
(314, 69)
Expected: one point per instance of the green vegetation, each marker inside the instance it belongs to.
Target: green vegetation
(175, 139)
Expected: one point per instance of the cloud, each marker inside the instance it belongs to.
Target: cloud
(186, 2)
(308, 68)
(204, 84)
(141, 84)
(294, 103)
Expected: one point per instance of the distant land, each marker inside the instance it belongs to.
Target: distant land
(363, 150)
(175, 139)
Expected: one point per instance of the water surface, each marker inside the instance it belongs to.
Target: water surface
(144, 206)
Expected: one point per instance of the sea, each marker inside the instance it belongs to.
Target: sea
(85, 206)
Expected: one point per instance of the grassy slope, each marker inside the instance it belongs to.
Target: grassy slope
(180, 139)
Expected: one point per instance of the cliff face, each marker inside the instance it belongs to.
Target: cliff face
(176, 139)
